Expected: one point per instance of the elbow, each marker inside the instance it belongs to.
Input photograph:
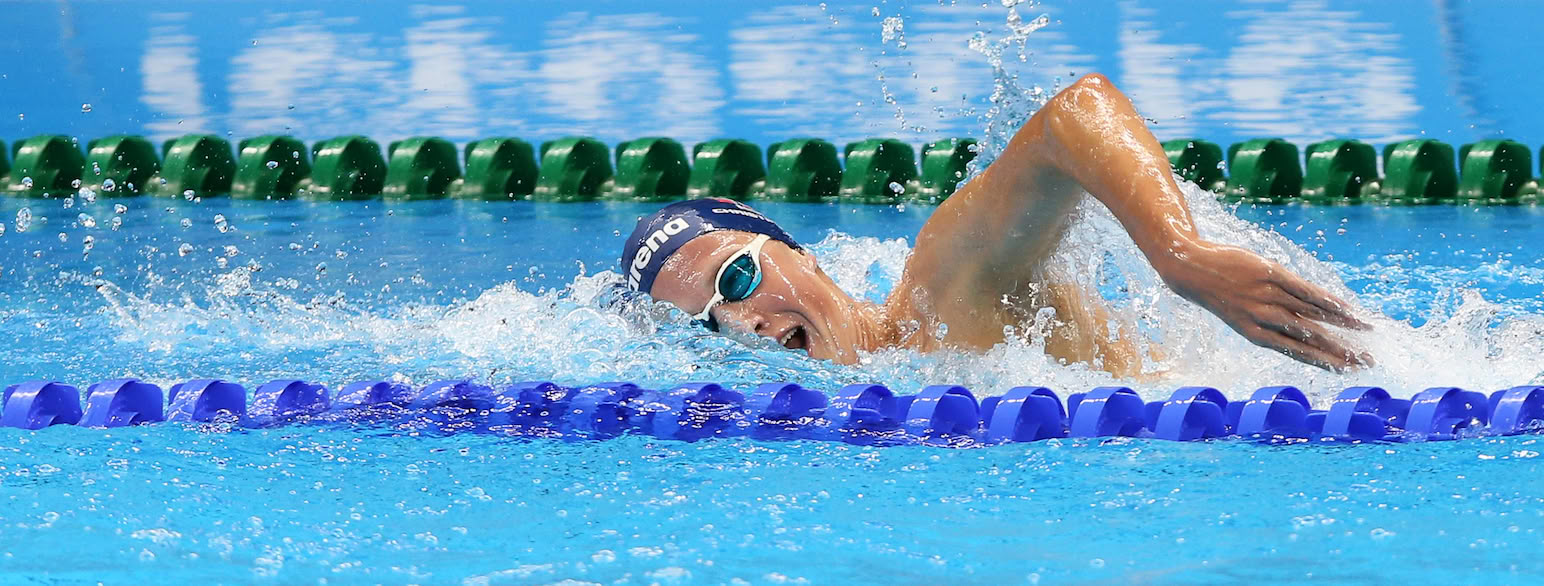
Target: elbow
(1090, 102)
(1090, 94)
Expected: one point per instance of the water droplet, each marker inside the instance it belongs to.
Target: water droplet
(896, 187)
(85, 108)
(185, 249)
(221, 262)
(941, 332)
(295, 246)
(874, 11)
(86, 194)
(74, 184)
(23, 219)
(26, 183)
(231, 251)
(86, 244)
(187, 194)
(68, 202)
(341, 254)
(64, 237)
(115, 223)
(119, 208)
(85, 220)
(273, 164)
(95, 168)
(220, 223)
(108, 185)
(187, 223)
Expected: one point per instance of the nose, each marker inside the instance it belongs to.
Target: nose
(743, 317)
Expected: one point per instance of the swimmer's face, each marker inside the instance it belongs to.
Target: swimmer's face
(795, 304)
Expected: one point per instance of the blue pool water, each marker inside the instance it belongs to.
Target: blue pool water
(504, 292)
(166, 290)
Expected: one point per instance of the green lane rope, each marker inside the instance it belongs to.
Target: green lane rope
(873, 171)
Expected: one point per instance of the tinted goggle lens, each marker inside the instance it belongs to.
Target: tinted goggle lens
(739, 279)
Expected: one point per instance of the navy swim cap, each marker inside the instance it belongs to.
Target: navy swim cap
(660, 235)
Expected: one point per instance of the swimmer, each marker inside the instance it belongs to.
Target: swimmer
(978, 263)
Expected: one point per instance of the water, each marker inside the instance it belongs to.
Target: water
(504, 291)
(168, 289)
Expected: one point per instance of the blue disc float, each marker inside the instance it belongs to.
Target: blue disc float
(868, 414)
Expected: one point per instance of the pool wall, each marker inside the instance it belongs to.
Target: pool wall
(1304, 71)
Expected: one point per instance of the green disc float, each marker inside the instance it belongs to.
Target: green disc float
(878, 171)
(651, 169)
(729, 168)
(1418, 172)
(944, 165)
(1198, 161)
(270, 167)
(498, 169)
(345, 168)
(44, 166)
(1264, 170)
(804, 169)
(121, 165)
(576, 168)
(1495, 172)
(420, 168)
(198, 163)
(1340, 172)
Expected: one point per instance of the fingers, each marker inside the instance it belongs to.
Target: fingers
(1337, 311)
(1298, 306)
(1307, 339)
(1309, 354)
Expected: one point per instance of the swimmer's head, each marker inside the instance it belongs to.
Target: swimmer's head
(733, 268)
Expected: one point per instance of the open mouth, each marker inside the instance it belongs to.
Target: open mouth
(795, 339)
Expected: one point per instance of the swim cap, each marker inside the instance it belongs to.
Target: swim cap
(660, 235)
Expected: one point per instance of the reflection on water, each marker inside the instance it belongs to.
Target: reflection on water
(1300, 69)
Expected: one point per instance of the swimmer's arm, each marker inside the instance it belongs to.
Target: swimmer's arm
(1090, 138)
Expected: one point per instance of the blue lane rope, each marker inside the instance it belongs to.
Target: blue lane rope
(863, 413)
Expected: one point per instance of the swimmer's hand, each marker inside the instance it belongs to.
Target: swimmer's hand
(1266, 303)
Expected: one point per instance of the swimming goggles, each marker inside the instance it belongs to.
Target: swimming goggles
(737, 279)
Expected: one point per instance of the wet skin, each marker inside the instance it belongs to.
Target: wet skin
(978, 262)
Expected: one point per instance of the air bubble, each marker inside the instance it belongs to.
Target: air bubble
(85, 220)
(187, 223)
(273, 164)
(26, 183)
(95, 168)
(231, 251)
(115, 223)
(221, 262)
(220, 223)
(64, 237)
(86, 244)
(341, 254)
(295, 246)
(85, 108)
(108, 185)
(87, 195)
(119, 208)
(187, 194)
(74, 184)
(68, 202)
(23, 219)
(896, 187)
(185, 249)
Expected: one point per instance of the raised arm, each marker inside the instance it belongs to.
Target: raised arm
(1090, 138)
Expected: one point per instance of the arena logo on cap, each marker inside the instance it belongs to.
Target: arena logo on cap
(650, 246)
